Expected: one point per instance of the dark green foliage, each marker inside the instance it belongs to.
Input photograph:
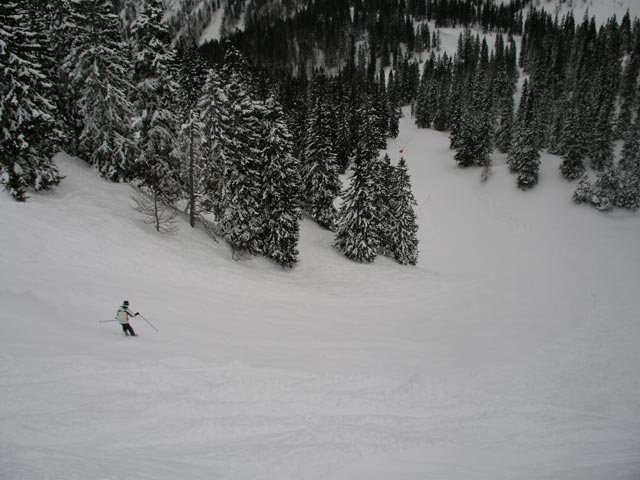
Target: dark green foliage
(584, 191)
(574, 143)
(504, 131)
(280, 188)
(385, 178)
(629, 194)
(629, 168)
(474, 142)
(424, 109)
(358, 234)
(320, 182)
(157, 162)
(98, 66)
(601, 151)
(217, 140)
(291, 40)
(524, 156)
(606, 190)
(530, 165)
(252, 182)
(28, 136)
(231, 145)
(402, 238)
(572, 166)
(578, 76)
(432, 102)
(190, 76)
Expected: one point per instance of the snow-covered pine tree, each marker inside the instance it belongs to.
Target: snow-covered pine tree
(232, 145)
(476, 135)
(154, 61)
(320, 181)
(439, 95)
(394, 120)
(190, 78)
(217, 140)
(358, 232)
(518, 130)
(394, 90)
(191, 73)
(241, 219)
(631, 146)
(511, 60)
(28, 136)
(529, 162)
(344, 139)
(403, 234)
(524, 156)
(467, 143)
(580, 101)
(424, 114)
(555, 127)
(62, 31)
(48, 20)
(504, 130)
(574, 141)
(157, 163)
(606, 189)
(583, 192)
(281, 188)
(380, 103)
(625, 32)
(385, 175)
(98, 65)
(394, 112)
(237, 67)
(601, 142)
(456, 101)
(629, 168)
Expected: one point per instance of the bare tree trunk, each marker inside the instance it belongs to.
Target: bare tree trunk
(155, 210)
(192, 195)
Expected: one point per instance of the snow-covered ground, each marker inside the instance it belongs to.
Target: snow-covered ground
(601, 9)
(510, 352)
(213, 30)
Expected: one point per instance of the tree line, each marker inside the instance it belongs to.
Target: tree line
(580, 95)
(215, 138)
(322, 34)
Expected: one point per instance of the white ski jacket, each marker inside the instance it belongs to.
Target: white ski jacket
(123, 315)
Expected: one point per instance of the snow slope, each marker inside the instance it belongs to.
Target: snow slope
(601, 9)
(510, 352)
(214, 30)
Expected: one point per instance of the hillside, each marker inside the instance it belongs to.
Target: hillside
(510, 351)
(601, 9)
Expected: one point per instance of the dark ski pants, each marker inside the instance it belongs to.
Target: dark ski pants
(126, 328)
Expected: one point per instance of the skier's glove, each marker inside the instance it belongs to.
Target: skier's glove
(136, 314)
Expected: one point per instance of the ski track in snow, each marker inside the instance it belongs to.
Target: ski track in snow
(244, 422)
(509, 352)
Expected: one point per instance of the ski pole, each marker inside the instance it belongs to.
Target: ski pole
(150, 324)
(105, 321)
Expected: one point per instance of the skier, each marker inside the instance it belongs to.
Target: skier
(123, 317)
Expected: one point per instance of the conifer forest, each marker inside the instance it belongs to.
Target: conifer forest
(285, 117)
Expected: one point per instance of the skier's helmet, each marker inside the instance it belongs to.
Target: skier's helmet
(125, 303)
